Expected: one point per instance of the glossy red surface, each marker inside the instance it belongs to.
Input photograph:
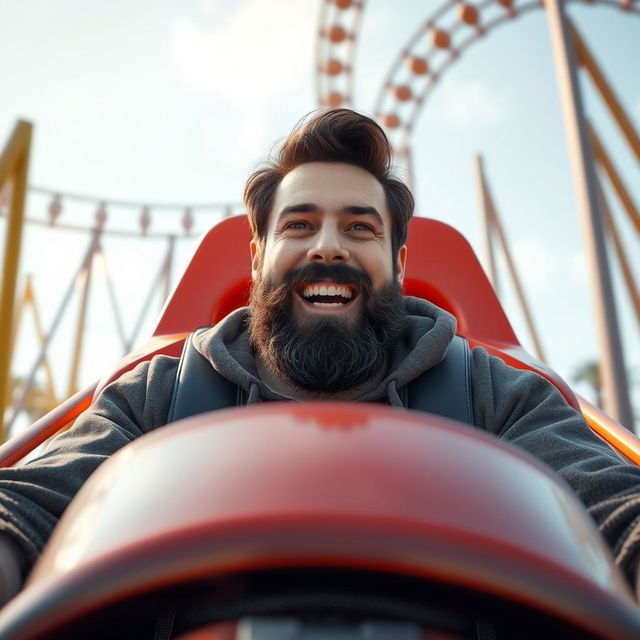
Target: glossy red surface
(323, 484)
(168, 345)
(441, 267)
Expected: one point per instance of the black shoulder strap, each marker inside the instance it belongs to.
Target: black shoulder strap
(446, 388)
(199, 387)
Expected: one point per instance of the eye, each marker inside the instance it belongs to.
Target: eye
(362, 226)
(297, 224)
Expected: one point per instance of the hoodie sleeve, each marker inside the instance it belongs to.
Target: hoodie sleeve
(525, 409)
(34, 496)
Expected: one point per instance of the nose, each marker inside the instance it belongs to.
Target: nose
(328, 247)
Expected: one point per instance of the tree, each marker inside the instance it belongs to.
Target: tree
(589, 372)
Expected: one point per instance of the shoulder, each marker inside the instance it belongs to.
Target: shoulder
(491, 372)
(143, 394)
(526, 409)
(157, 370)
(503, 394)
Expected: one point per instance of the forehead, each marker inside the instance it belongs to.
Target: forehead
(330, 187)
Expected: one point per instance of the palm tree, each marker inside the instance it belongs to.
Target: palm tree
(589, 372)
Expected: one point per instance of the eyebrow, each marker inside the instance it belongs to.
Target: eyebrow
(308, 207)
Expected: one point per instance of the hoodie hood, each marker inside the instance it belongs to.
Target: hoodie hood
(422, 345)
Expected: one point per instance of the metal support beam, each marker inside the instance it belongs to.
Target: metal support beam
(64, 303)
(85, 278)
(494, 224)
(627, 273)
(614, 375)
(113, 299)
(14, 166)
(614, 177)
(588, 62)
(28, 299)
(166, 269)
(163, 277)
(485, 205)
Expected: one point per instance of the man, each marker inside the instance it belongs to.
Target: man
(326, 320)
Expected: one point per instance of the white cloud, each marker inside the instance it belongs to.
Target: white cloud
(261, 77)
(240, 59)
(577, 268)
(209, 6)
(536, 265)
(474, 102)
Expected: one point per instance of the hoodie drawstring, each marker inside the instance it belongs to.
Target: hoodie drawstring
(392, 394)
(254, 394)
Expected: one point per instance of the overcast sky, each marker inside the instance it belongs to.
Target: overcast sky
(176, 101)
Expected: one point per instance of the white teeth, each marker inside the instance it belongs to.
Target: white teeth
(324, 290)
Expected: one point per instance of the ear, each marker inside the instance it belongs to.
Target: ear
(256, 259)
(401, 263)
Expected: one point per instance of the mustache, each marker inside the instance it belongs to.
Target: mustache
(319, 272)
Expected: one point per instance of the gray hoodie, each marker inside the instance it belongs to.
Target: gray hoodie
(423, 345)
(516, 406)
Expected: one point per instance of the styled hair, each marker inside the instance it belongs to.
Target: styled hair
(337, 135)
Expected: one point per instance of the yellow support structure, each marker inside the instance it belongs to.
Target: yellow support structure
(28, 299)
(14, 168)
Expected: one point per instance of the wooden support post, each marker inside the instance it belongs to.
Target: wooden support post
(614, 374)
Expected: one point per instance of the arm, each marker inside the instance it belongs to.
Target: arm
(34, 496)
(526, 410)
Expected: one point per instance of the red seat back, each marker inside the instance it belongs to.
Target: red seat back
(441, 267)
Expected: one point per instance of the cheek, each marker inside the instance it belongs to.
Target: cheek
(285, 254)
(379, 266)
(279, 258)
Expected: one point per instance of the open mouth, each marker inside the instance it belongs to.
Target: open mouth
(328, 294)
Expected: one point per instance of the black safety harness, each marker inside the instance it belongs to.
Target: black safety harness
(444, 390)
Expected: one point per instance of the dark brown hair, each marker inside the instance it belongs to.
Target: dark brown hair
(338, 135)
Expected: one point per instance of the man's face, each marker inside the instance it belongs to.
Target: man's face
(328, 214)
(326, 305)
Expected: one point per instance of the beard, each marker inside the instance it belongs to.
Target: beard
(325, 354)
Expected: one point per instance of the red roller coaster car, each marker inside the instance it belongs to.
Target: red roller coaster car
(324, 520)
